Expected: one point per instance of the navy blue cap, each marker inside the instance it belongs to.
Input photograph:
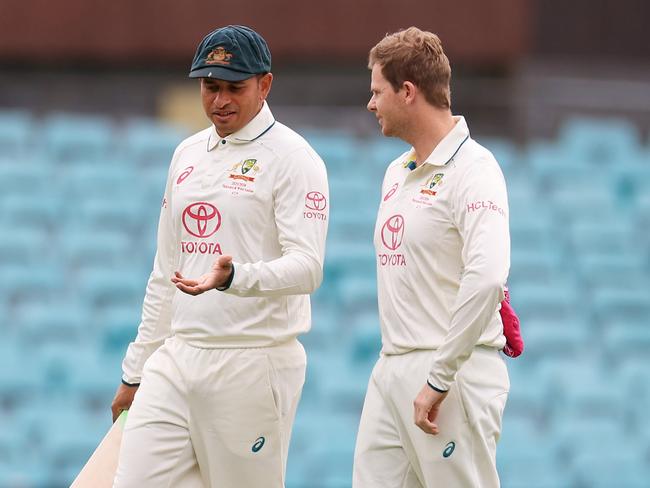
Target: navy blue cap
(231, 53)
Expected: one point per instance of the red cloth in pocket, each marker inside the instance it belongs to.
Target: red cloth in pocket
(511, 329)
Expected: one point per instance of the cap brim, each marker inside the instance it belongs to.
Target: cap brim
(220, 73)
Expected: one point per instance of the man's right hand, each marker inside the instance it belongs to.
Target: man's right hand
(123, 399)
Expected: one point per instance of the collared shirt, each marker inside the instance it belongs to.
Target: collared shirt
(443, 253)
(260, 195)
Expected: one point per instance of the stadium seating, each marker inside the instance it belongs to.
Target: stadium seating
(78, 214)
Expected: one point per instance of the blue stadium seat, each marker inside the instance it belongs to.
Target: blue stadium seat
(26, 176)
(153, 180)
(151, 143)
(378, 152)
(97, 181)
(117, 327)
(103, 289)
(523, 191)
(34, 211)
(526, 400)
(618, 236)
(352, 224)
(632, 180)
(339, 150)
(526, 457)
(343, 258)
(365, 340)
(634, 375)
(102, 248)
(40, 323)
(20, 376)
(128, 214)
(546, 161)
(570, 379)
(613, 270)
(15, 132)
(533, 235)
(586, 201)
(635, 383)
(23, 473)
(505, 152)
(556, 338)
(545, 300)
(358, 292)
(619, 465)
(66, 435)
(600, 451)
(95, 380)
(77, 139)
(352, 190)
(22, 284)
(24, 246)
(341, 384)
(325, 441)
(601, 143)
(625, 338)
(325, 320)
(621, 304)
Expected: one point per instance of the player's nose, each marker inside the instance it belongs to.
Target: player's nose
(220, 100)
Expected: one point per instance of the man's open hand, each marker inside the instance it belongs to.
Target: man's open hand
(216, 278)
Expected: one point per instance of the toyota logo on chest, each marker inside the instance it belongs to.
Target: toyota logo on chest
(201, 219)
(392, 232)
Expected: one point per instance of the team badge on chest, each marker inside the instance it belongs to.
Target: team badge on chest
(428, 191)
(433, 182)
(243, 176)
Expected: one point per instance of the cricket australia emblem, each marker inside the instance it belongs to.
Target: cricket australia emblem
(243, 176)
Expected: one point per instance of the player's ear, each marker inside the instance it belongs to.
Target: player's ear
(410, 90)
(264, 82)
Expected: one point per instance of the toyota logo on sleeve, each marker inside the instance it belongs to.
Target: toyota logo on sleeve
(201, 219)
(315, 200)
(392, 232)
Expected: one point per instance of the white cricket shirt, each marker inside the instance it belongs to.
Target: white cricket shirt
(260, 195)
(443, 253)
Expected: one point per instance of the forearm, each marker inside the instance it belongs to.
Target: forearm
(154, 328)
(295, 273)
(475, 306)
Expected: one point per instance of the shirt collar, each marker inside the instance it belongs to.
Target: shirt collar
(448, 146)
(258, 126)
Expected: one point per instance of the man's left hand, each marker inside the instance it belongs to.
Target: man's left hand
(427, 405)
(221, 270)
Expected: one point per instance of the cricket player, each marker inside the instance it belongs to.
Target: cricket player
(213, 379)
(433, 409)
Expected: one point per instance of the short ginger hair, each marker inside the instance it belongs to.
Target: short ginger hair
(416, 56)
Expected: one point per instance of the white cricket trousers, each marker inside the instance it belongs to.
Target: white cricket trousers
(217, 418)
(392, 452)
